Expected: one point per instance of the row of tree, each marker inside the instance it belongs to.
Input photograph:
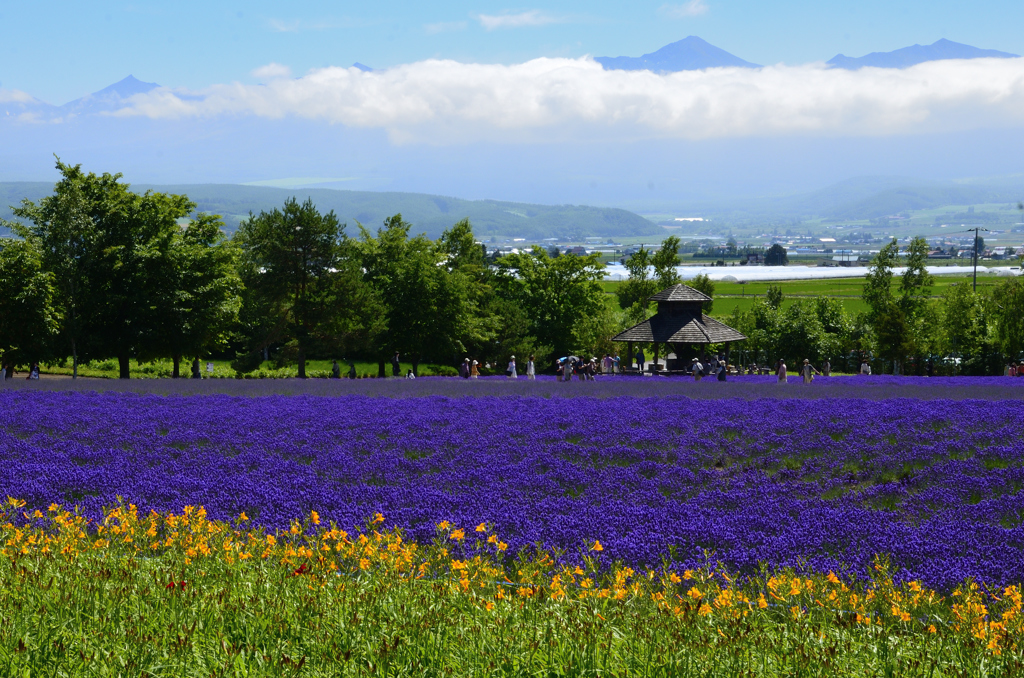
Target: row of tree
(102, 272)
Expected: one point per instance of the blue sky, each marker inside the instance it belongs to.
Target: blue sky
(58, 51)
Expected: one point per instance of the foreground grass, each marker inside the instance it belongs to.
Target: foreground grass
(183, 595)
(163, 369)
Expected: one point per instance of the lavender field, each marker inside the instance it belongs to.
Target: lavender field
(819, 481)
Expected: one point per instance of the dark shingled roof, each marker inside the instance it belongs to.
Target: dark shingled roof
(680, 329)
(680, 293)
(679, 321)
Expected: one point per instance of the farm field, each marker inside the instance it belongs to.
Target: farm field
(631, 526)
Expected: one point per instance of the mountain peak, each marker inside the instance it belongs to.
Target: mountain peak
(362, 67)
(916, 54)
(689, 54)
(126, 88)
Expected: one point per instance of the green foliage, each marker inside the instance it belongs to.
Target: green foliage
(665, 261)
(1009, 303)
(639, 287)
(776, 255)
(29, 318)
(702, 283)
(562, 297)
(773, 297)
(964, 321)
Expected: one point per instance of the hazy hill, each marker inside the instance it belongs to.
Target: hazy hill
(916, 54)
(428, 213)
(688, 54)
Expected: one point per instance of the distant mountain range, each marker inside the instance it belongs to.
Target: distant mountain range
(916, 54)
(431, 214)
(693, 53)
(689, 54)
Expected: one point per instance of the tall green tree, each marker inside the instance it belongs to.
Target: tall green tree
(562, 297)
(29, 318)
(776, 256)
(198, 297)
(425, 290)
(634, 292)
(289, 263)
(964, 320)
(665, 261)
(110, 245)
(702, 283)
(1008, 299)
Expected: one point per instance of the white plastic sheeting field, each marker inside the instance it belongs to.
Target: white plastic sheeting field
(617, 271)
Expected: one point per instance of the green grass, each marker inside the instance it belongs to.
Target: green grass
(108, 369)
(184, 596)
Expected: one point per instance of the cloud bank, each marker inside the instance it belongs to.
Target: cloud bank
(445, 101)
(687, 9)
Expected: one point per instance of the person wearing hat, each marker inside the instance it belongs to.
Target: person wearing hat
(780, 371)
(474, 370)
(696, 369)
(511, 371)
(721, 370)
(531, 369)
(808, 371)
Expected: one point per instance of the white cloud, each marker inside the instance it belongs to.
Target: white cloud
(445, 27)
(446, 101)
(15, 96)
(533, 17)
(687, 9)
(282, 26)
(271, 71)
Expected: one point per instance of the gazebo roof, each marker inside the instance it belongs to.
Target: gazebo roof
(680, 329)
(680, 323)
(680, 293)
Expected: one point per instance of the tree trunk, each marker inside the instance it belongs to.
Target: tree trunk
(177, 366)
(415, 365)
(302, 364)
(74, 360)
(381, 374)
(123, 366)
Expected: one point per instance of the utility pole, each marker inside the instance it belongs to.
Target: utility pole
(976, 229)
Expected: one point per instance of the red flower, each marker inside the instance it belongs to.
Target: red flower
(170, 586)
(303, 569)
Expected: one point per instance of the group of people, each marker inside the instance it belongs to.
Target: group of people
(470, 369)
(8, 372)
(1014, 370)
(807, 371)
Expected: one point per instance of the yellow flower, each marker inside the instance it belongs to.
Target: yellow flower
(458, 535)
(502, 546)
(695, 593)
(761, 602)
(482, 527)
(931, 628)
(378, 518)
(832, 578)
(315, 517)
(53, 507)
(443, 525)
(242, 517)
(597, 546)
(364, 564)
(674, 578)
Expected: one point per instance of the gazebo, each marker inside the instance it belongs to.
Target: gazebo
(680, 320)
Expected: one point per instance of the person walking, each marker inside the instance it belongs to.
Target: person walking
(511, 371)
(826, 368)
(196, 373)
(808, 371)
(780, 371)
(531, 368)
(641, 360)
(474, 370)
(616, 369)
(865, 368)
(696, 369)
(335, 370)
(396, 366)
(722, 368)
(351, 369)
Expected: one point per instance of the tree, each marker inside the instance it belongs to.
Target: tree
(665, 261)
(29, 319)
(915, 286)
(199, 296)
(107, 245)
(776, 256)
(1009, 300)
(562, 297)
(425, 290)
(289, 263)
(702, 283)
(63, 234)
(773, 296)
(964, 326)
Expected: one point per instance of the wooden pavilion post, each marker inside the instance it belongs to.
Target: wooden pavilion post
(629, 355)
(655, 370)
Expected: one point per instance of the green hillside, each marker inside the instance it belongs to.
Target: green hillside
(428, 213)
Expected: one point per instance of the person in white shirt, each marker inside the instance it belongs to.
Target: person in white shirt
(808, 371)
(531, 369)
(512, 369)
(782, 372)
(865, 368)
(697, 370)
